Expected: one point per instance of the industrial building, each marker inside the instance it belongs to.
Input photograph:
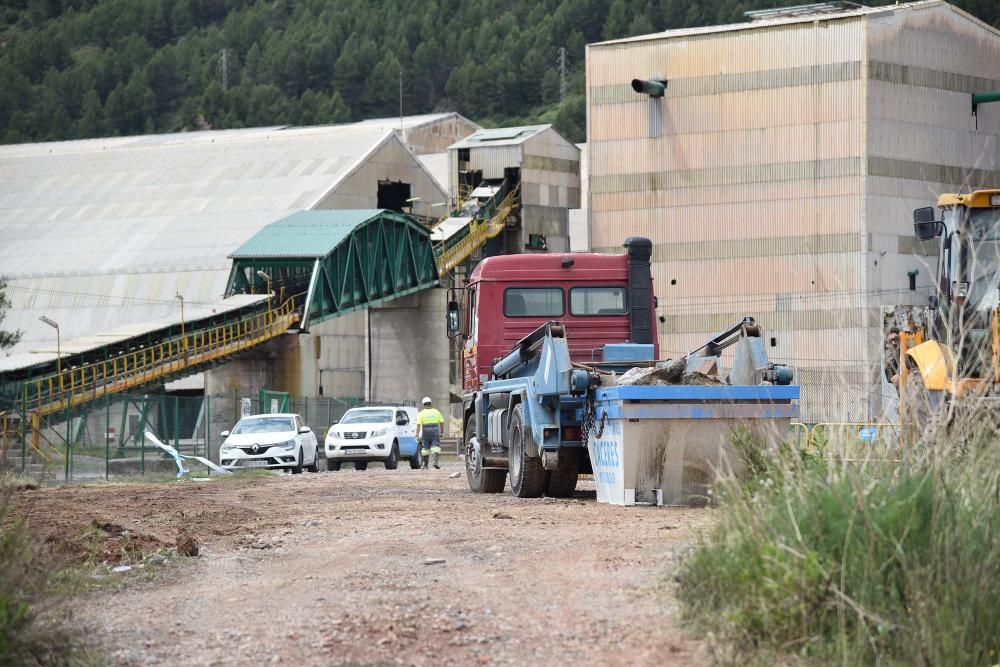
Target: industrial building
(104, 232)
(537, 159)
(778, 172)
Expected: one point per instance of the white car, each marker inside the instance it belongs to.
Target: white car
(276, 441)
(383, 433)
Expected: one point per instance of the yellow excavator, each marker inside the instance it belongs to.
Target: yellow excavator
(950, 349)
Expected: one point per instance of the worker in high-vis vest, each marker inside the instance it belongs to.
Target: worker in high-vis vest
(429, 422)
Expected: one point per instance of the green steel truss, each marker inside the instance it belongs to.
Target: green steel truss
(386, 256)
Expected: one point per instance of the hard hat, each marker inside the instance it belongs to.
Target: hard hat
(427, 400)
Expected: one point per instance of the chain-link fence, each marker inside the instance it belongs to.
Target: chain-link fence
(104, 439)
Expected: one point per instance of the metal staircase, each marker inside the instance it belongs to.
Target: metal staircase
(488, 223)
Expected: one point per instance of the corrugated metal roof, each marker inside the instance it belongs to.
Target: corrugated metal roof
(309, 234)
(42, 352)
(788, 20)
(504, 136)
(411, 122)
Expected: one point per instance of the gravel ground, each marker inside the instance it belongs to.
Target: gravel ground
(371, 568)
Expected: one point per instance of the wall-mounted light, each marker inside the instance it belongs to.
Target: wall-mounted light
(651, 87)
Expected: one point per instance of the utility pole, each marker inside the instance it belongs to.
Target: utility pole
(562, 75)
(224, 69)
(400, 99)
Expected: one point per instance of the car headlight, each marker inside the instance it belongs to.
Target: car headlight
(290, 444)
(379, 433)
(334, 435)
(227, 448)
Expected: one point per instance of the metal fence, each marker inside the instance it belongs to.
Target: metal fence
(104, 439)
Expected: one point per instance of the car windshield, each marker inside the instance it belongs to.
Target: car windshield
(367, 417)
(265, 425)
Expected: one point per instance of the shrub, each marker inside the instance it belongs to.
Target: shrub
(858, 563)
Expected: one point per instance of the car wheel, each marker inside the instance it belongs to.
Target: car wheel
(417, 460)
(314, 466)
(393, 460)
(332, 465)
(361, 465)
(297, 468)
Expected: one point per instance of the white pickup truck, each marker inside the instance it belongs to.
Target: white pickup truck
(380, 433)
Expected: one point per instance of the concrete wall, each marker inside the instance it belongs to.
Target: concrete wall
(410, 349)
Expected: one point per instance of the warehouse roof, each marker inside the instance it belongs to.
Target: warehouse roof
(99, 231)
(42, 352)
(504, 136)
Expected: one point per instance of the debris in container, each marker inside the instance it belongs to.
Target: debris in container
(669, 373)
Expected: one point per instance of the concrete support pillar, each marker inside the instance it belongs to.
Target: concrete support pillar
(409, 349)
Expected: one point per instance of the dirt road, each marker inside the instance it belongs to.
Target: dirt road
(343, 569)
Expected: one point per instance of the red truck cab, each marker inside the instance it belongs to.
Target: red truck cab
(598, 298)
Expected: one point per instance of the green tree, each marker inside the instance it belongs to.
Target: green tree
(7, 338)
(92, 123)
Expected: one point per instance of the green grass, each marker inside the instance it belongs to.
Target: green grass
(850, 564)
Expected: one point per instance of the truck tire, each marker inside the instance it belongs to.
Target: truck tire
(480, 481)
(332, 465)
(561, 483)
(527, 476)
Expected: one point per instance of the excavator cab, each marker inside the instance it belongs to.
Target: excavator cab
(961, 333)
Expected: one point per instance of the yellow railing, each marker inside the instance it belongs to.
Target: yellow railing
(479, 232)
(845, 441)
(75, 386)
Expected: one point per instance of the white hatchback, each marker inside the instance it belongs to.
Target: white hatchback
(276, 441)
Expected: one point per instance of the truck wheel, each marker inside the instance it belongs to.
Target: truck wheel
(332, 465)
(393, 460)
(527, 476)
(561, 483)
(361, 465)
(480, 481)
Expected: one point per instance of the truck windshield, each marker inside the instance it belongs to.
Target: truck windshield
(366, 417)
(981, 256)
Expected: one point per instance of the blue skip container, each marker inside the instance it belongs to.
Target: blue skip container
(664, 445)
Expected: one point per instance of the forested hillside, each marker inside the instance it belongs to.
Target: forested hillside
(85, 68)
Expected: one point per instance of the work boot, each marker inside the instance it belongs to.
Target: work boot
(434, 460)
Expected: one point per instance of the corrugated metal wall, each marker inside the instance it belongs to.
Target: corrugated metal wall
(749, 181)
(778, 176)
(550, 186)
